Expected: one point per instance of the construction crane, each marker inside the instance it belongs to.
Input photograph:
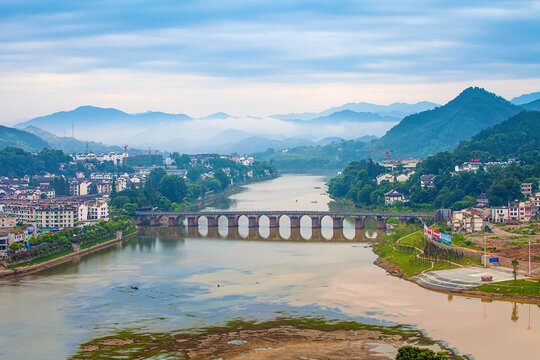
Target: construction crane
(387, 151)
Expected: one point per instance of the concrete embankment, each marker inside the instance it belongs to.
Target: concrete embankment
(25, 270)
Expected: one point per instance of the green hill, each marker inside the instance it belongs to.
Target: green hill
(69, 144)
(444, 127)
(533, 105)
(516, 137)
(20, 139)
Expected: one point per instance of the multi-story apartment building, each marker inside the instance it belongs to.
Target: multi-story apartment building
(98, 210)
(56, 216)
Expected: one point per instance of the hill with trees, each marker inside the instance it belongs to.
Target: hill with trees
(20, 139)
(515, 138)
(70, 144)
(533, 105)
(444, 127)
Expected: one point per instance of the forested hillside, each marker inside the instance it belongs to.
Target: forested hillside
(444, 127)
(21, 139)
(516, 138)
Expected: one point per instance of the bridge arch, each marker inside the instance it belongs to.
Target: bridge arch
(413, 220)
(223, 221)
(327, 221)
(243, 221)
(264, 221)
(284, 221)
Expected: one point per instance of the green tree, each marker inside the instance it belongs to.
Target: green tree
(515, 267)
(181, 161)
(414, 353)
(223, 179)
(92, 189)
(120, 201)
(173, 188)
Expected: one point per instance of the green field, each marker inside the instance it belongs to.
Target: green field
(399, 249)
(519, 287)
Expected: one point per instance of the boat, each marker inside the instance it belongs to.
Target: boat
(134, 287)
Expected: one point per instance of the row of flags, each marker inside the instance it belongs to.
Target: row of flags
(438, 236)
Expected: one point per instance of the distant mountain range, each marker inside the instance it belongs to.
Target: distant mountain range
(88, 118)
(525, 98)
(425, 130)
(444, 127)
(395, 110)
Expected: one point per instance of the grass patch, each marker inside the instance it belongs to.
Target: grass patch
(129, 231)
(461, 241)
(404, 254)
(40, 260)
(92, 243)
(519, 287)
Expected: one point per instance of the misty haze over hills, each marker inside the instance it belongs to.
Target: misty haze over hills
(221, 132)
(106, 129)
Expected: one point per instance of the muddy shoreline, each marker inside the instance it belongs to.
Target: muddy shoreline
(279, 339)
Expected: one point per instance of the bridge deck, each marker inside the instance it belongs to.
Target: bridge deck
(279, 212)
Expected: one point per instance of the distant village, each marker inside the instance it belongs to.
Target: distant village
(29, 206)
(474, 218)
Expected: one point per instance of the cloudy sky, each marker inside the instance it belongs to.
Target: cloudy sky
(259, 57)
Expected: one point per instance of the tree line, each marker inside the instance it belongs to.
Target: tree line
(173, 193)
(62, 241)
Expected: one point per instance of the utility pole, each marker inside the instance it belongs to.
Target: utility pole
(485, 257)
(529, 258)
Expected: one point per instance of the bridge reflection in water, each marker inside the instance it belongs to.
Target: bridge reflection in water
(273, 219)
(283, 233)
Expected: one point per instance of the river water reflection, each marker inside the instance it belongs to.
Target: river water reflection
(260, 276)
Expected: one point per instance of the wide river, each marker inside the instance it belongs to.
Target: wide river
(47, 316)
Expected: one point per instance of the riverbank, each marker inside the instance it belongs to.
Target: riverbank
(37, 267)
(401, 256)
(301, 338)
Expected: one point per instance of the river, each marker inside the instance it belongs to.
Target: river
(48, 315)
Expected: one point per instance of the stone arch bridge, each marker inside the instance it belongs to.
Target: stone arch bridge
(154, 218)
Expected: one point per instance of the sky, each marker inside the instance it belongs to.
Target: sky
(258, 58)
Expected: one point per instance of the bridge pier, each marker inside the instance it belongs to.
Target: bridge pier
(316, 221)
(359, 222)
(233, 221)
(295, 221)
(337, 222)
(402, 221)
(192, 221)
(174, 221)
(274, 221)
(212, 221)
(253, 221)
(381, 223)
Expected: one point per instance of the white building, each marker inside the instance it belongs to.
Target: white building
(499, 214)
(98, 210)
(393, 195)
(385, 177)
(79, 188)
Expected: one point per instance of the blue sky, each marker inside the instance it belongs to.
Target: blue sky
(259, 57)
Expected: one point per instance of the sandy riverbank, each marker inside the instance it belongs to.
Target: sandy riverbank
(31, 269)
